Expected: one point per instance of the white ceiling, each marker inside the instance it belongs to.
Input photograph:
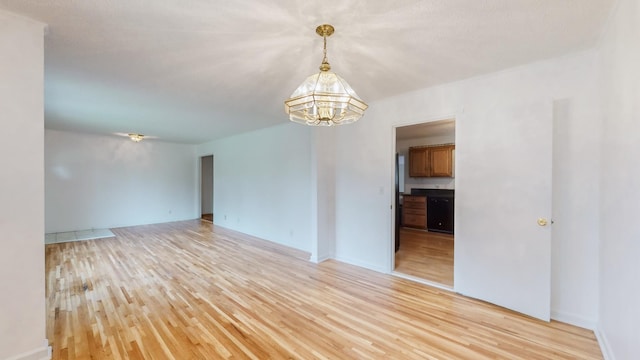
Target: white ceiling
(195, 70)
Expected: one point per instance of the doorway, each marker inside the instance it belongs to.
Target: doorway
(206, 188)
(424, 239)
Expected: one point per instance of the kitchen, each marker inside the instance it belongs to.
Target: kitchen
(425, 173)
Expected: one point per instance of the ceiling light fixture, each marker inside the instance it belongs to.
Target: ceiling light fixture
(136, 137)
(324, 99)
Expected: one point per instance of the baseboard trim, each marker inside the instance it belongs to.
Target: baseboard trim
(573, 319)
(320, 259)
(42, 353)
(422, 281)
(582, 322)
(605, 347)
(362, 264)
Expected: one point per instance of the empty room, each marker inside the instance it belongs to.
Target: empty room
(411, 179)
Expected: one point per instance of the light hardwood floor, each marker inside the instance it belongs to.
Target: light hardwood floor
(426, 255)
(190, 290)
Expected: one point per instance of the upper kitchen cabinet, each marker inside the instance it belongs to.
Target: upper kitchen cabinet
(441, 158)
(418, 162)
(431, 161)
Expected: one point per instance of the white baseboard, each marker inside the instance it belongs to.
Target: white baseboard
(362, 264)
(317, 260)
(605, 347)
(423, 281)
(42, 353)
(573, 319)
(582, 322)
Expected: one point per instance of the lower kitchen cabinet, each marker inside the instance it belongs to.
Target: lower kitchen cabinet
(439, 212)
(414, 211)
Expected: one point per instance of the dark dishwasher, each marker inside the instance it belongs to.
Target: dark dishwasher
(440, 208)
(440, 214)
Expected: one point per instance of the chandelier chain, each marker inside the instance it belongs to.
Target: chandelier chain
(324, 66)
(325, 49)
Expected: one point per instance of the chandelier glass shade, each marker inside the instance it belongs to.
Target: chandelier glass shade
(324, 99)
(136, 137)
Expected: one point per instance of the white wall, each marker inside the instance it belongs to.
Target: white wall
(263, 184)
(95, 181)
(402, 148)
(620, 208)
(22, 303)
(364, 169)
(323, 187)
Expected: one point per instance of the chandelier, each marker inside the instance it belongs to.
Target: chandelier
(324, 99)
(136, 137)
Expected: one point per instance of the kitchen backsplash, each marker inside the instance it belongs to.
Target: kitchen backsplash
(428, 183)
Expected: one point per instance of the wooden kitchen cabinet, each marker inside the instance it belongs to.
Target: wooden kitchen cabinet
(431, 161)
(441, 159)
(414, 211)
(418, 162)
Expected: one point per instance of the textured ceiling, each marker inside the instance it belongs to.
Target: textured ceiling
(195, 70)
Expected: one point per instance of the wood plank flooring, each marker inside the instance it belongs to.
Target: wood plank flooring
(190, 290)
(426, 255)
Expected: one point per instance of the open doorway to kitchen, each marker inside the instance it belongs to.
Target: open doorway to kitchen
(206, 188)
(425, 194)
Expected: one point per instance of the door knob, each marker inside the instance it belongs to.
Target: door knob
(542, 222)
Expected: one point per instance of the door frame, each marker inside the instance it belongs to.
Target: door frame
(200, 178)
(391, 247)
(466, 274)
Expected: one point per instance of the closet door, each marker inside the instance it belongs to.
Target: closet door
(503, 205)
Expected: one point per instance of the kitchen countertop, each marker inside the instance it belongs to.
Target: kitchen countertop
(431, 192)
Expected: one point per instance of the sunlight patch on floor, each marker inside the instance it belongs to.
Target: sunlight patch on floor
(60, 237)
